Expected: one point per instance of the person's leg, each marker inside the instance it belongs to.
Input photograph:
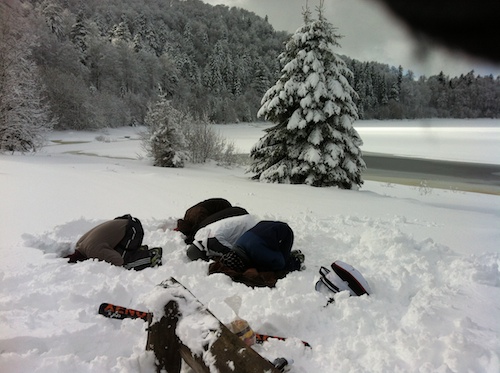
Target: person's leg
(258, 252)
(141, 259)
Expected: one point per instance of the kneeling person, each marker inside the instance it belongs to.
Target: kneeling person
(118, 242)
(266, 247)
(217, 238)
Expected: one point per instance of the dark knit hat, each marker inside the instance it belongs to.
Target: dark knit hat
(183, 226)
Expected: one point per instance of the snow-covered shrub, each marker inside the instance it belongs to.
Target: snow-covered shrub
(204, 143)
(165, 141)
(175, 136)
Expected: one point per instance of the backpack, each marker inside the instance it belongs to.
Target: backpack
(342, 277)
(134, 233)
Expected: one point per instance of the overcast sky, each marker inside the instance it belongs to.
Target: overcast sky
(370, 33)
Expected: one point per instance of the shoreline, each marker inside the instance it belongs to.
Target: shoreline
(454, 175)
(427, 173)
(424, 183)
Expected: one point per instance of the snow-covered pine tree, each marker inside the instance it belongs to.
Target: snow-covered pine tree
(165, 140)
(313, 141)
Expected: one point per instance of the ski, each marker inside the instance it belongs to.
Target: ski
(113, 311)
(261, 338)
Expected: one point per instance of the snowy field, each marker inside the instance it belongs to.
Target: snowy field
(431, 257)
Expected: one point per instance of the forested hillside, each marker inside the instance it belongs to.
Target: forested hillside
(101, 62)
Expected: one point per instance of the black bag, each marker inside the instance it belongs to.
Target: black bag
(133, 235)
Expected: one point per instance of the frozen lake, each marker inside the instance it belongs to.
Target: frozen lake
(476, 140)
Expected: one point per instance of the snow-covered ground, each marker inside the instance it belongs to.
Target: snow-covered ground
(431, 257)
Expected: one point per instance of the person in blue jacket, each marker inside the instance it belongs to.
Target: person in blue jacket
(266, 247)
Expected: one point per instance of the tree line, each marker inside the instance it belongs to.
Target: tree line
(100, 63)
(387, 92)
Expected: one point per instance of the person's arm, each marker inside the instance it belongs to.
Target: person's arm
(214, 245)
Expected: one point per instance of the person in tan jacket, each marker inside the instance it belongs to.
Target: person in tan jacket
(100, 242)
(107, 242)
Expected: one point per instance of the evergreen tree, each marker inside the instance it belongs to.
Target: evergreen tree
(216, 68)
(121, 32)
(313, 141)
(78, 35)
(166, 142)
(260, 81)
(400, 80)
(52, 11)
